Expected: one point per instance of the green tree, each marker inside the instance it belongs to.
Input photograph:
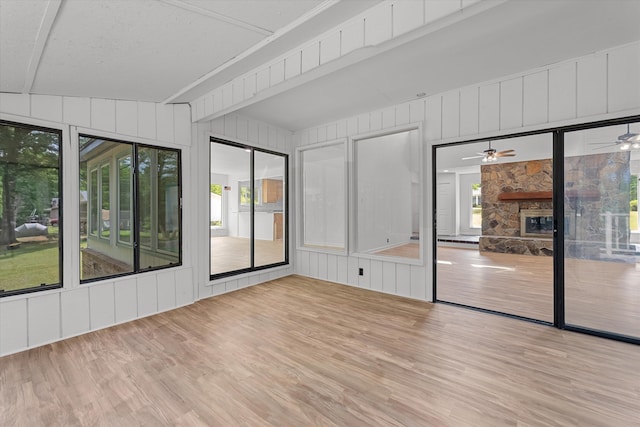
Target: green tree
(28, 175)
(216, 189)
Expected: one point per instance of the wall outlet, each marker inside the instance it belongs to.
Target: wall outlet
(361, 271)
(387, 240)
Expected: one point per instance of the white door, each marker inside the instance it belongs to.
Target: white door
(445, 216)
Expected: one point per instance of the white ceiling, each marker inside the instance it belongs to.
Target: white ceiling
(178, 50)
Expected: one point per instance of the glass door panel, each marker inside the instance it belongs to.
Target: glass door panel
(505, 265)
(269, 173)
(231, 243)
(602, 251)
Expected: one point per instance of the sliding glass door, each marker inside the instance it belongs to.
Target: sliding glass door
(494, 229)
(602, 243)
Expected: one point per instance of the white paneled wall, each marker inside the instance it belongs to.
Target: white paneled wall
(38, 318)
(257, 134)
(600, 86)
(380, 23)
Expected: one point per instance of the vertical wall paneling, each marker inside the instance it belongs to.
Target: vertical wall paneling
(292, 65)
(313, 264)
(433, 125)
(330, 47)
(147, 295)
(184, 287)
(403, 114)
(536, 98)
(146, 120)
(322, 266)
(562, 92)
(310, 57)
(277, 72)
(352, 271)
(403, 280)
(332, 131)
(263, 78)
(418, 288)
(511, 103)
(103, 114)
(250, 85)
(375, 120)
(303, 263)
(343, 269)
(231, 285)
(624, 77)
(364, 281)
(341, 128)
(407, 15)
(102, 305)
(209, 104)
(364, 123)
(231, 126)
(15, 103)
(489, 108)
(352, 36)
(77, 111)
(322, 134)
(218, 289)
(182, 124)
(469, 110)
(46, 107)
(389, 277)
(378, 24)
(75, 313)
(13, 326)
(242, 125)
(417, 110)
(243, 282)
(451, 114)
(127, 117)
(376, 275)
(237, 88)
(126, 300)
(332, 268)
(592, 85)
(164, 117)
(388, 117)
(44, 319)
(253, 132)
(166, 290)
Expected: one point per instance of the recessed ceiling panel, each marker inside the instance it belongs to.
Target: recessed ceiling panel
(19, 24)
(143, 50)
(267, 14)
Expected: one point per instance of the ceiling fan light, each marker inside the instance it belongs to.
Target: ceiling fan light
(636, 145)
(625, 146)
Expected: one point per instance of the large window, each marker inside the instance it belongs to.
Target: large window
(250, 232)
(323, 195)
(130, 216)
(388, 194)
(30, 208)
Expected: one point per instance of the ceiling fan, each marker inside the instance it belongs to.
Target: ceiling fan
(491, 154)
(626, 141)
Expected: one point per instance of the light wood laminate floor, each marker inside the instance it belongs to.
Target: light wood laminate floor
(599, 295)
(301, 352)
(234, 253)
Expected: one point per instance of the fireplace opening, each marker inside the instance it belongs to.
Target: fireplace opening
(536, 223)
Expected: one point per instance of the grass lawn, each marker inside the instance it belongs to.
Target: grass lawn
(33, 263)
(633, 222)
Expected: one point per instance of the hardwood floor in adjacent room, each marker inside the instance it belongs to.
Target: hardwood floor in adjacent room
(299, 352)
(234, 253)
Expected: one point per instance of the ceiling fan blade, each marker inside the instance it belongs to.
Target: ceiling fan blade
(505, 155)
(605, 146)
(602, 143)
(506, 151)
(473, 157)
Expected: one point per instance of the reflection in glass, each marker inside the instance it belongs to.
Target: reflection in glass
(602, 246)
(105, 215)
(100, 255)
(231, 242)
(112, 207)
(506, 264)
(269, 209)
(323, 197)
(124, 200)
(388, 195)
(29, 208)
